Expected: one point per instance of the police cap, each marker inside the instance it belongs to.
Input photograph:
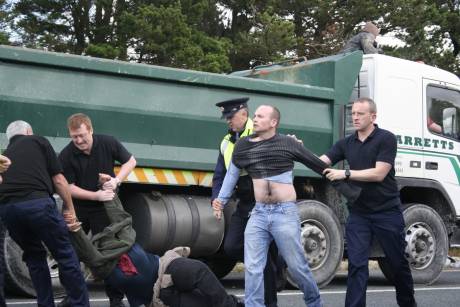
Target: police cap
(231, 106)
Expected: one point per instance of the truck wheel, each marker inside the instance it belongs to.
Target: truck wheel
(427, 244)
(17, 278)
(322, 240)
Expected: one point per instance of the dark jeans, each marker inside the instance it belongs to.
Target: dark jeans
(139, 287)
(234, 248)
(194, 286)
(35, 221)
(95, 218)
(2, 269)
(388, 228)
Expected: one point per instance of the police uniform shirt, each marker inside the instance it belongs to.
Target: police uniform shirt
(83, 170)
(33, 164)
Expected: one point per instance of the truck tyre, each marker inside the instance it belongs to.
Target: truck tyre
(322, 240)
(17, 278)
(427, 244)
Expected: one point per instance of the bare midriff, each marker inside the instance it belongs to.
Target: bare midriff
(270, 192)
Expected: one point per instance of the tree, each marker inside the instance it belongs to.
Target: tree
(4, 36)
(161, 36)
(71, 26)
(434, 36)
(271, 39)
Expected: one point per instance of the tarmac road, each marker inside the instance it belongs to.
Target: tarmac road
(444, 292)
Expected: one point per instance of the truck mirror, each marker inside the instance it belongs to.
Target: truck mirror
(449, 122)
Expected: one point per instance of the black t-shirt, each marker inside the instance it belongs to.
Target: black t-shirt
(33, 164)
(83, 170)
(381, 146)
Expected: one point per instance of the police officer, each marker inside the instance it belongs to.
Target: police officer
(236, 113)
(29, 212)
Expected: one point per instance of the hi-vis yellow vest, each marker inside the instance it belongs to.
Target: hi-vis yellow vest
(226, 146)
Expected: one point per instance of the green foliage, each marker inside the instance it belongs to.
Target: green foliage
(161, 36)
(270, 39)
(102, 51)
(433, 36)
(224, 35)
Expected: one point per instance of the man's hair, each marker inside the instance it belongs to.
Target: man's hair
(372, 105)
(276, 114)
(74, 121)
(16, 128)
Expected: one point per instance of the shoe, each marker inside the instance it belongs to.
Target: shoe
(65, 302)
(116, 302)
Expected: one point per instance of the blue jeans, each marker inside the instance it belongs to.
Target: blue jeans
(279, 222)
(35, 221)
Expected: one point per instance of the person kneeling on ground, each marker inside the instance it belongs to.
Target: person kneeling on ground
(146, 279)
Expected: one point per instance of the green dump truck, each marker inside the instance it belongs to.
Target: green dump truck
(166, 117)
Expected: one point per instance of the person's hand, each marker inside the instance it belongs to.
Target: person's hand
(69, 215)
(104, 195)
(217, 208)
(334, 174)
(4, 163)
(71, 220)
(295, 138)
(108, 182)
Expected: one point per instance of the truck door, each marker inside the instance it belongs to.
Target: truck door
(441, 135)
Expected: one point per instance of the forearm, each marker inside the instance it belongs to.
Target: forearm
(126, 168)
(230, 180)
(62, 189)
(79, 193)
(218, 176)
(367, 175)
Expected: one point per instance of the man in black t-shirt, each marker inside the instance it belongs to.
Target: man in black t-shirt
(371, 152)
(28, 210)
(85, 159)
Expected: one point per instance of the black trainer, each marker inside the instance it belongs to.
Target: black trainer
(65, 302)
(116, 302)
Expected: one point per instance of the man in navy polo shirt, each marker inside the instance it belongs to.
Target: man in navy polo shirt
(370, 153)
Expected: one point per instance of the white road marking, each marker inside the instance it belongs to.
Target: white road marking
(284, 293)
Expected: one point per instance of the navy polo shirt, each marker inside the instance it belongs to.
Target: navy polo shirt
(381, 146)
(83, 170)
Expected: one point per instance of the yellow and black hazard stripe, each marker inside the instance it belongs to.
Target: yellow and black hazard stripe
(169, 177)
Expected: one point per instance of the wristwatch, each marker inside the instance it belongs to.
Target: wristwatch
(347, 173)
